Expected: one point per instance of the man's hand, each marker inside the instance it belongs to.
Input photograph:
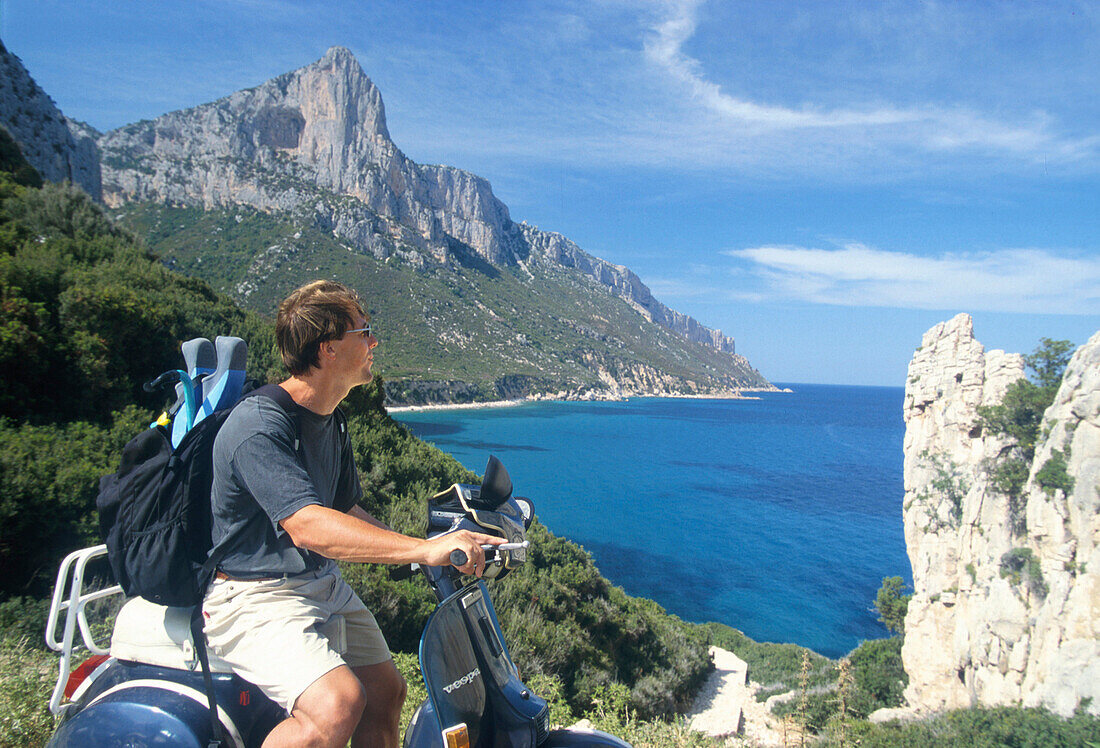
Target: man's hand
(437, 551)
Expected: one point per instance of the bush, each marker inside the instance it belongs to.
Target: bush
(49, 477)
(1054, 474)
(981, 727)
(26, 681)
(1018, 416)
(1020, 564)
(611, 713)
(892, 605)
(878, 672)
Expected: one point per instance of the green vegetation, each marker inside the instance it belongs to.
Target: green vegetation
(1054, 474)
(1020, 565)
(947, 484)
(871, 677)
(27, 676)
(461, 330)
(778, 668)
(12, 162)
(1019, 416)
(892, 605)
(980, 727)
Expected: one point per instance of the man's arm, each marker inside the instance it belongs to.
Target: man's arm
(352, 537)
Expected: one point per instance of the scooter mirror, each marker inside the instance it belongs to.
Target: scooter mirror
(526, 508)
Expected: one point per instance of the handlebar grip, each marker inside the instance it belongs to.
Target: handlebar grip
(459, 557)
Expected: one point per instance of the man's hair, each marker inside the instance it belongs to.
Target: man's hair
(318, 311)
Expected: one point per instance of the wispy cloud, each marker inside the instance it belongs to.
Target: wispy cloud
(1036, 281)
(928, 127)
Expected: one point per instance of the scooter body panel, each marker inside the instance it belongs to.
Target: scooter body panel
(452, 672)
(135, 704)
(466, 668)
(138, 716)
(423, 730)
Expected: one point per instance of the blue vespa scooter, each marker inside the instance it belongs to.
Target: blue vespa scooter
(146, 688)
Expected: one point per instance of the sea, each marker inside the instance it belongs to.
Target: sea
(779, 516)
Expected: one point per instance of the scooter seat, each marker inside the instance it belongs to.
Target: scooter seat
(158, 635)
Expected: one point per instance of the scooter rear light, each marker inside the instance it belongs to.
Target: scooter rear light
(83, 670)
(457, 736)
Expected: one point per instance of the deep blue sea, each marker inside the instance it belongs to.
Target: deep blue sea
(778, 516)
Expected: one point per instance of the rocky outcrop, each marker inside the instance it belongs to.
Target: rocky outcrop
(315, 141)
(979, 628)
(555, 248)
(60, 149)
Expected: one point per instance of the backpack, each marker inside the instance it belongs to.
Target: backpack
(154, 512)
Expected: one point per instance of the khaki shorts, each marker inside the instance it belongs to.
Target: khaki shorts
(283, 634)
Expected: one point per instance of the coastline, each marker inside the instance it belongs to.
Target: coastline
(457, 406)
(732, 395)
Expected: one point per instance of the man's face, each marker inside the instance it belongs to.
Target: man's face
(354, 352)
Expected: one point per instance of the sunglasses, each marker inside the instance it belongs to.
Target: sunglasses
(366, 331)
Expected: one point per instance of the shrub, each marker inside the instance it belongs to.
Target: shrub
(1018, 416)
(49, 478)
(981, 726)
(1054, 475)
(1020, 564)
(947, 484)
(878, 672)
(892, 605)
(26, 680)
(777, 667)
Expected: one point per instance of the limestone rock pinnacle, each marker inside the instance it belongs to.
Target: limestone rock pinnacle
(975, 633)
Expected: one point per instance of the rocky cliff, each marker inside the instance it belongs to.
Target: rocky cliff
(1006, 604)
(315, 141)
(59, 148)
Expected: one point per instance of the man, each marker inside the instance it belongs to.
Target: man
(284, 499)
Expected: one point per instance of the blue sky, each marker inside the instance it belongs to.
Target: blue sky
(822, 181)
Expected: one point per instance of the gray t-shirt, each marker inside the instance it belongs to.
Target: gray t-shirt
(261, 477)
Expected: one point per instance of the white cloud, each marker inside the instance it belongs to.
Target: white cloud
(1034, 281)
(879, 129)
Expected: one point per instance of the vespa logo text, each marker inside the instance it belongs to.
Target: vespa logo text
(463, 680)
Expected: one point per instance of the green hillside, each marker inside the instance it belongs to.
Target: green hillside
(487, 332)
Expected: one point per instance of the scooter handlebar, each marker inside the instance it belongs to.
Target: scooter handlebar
(459, 558)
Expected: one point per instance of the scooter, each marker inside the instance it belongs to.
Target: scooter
(146, 689)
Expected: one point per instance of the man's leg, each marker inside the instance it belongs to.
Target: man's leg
(385, 691)
(325, 715)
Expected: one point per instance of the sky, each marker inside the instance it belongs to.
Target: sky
(823, 181)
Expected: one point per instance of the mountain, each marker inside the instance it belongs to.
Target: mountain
(59, 148)
(298, 178)
(1006, 603)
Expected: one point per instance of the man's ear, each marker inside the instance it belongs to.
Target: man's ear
(327, 350)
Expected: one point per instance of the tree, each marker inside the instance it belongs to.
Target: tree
(891, 604)
(1019, 416)
(1049, 361)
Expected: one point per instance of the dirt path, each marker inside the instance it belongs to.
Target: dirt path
(726, 706)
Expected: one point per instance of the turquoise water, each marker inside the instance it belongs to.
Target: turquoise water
(778, 516)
